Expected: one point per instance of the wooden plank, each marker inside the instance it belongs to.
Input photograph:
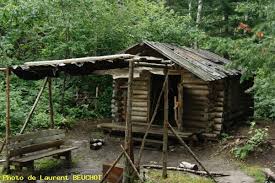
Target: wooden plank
(35, 147)
(80, 60)
(21, 144)
(33, 135)
(42, 155)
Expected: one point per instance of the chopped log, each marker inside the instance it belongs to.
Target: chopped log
(198, 172)
(269, 174)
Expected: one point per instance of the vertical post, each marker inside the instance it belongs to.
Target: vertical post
(50, 102)
(165, 129)
(7, 165)
(180, 106)
(128, 170)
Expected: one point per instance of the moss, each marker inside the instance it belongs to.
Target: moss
(175, 177)
(255, 172)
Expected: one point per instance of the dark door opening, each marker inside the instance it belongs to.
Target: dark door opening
(156, 86)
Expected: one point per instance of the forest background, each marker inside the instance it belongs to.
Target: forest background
(240, 30)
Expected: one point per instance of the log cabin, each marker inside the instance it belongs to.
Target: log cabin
(205, 97)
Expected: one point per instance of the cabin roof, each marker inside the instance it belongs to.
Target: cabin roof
(206, 65)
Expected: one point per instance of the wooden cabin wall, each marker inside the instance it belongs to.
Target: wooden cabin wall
(216, 107)
(238, 104)
(141, 99)
(195, 102)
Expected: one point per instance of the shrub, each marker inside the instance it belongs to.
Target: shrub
(258, 137)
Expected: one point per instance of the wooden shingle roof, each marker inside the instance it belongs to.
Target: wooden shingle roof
(204, 64)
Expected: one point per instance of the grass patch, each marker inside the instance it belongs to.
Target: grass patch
(175, 177)
(255, 172)
(48, 164)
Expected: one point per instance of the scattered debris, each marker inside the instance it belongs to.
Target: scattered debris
(269, 174)
(198, 172)
(96, 144)
(187, 165)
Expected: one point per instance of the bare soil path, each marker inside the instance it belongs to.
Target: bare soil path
(87, 161)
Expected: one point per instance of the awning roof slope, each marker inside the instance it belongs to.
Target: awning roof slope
(75, 66)
(204, 64)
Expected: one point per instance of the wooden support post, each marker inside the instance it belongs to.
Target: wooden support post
(51, 102)
(34, 106)
(128, 131)
(151, 122)
(180, 106)
(132, 164)
(191, 152)
(63, 93)
(7, 164)
(30, 113)
(165, 129)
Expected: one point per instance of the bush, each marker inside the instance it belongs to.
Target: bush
(258, 137)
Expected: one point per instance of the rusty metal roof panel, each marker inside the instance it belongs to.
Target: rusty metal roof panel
(204, 64)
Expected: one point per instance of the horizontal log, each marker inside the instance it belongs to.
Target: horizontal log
(216, 114)
(139, 109)
(139, 113)
(140, 92)
(195, 124)
(140, 104)
(217, 127)
(139, 118)
(215, 174)
(196, 92)
(218, 120)
(192, 86)
(138, 96)
(197, 118)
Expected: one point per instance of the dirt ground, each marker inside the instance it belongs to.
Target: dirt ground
(87, 161)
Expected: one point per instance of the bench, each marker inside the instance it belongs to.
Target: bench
(24, 149)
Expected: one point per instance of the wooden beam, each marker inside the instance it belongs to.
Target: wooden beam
(7, 164)
(79, 60)
(3, 69)
(165, 128)
(180, 106)
(51, 103)
(34, 106)
(128, 132)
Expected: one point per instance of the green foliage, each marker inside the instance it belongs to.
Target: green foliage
(55, 29)
(155, 176)
(258, 137)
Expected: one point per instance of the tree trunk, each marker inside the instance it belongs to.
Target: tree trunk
(199, 12)
(190, 8)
